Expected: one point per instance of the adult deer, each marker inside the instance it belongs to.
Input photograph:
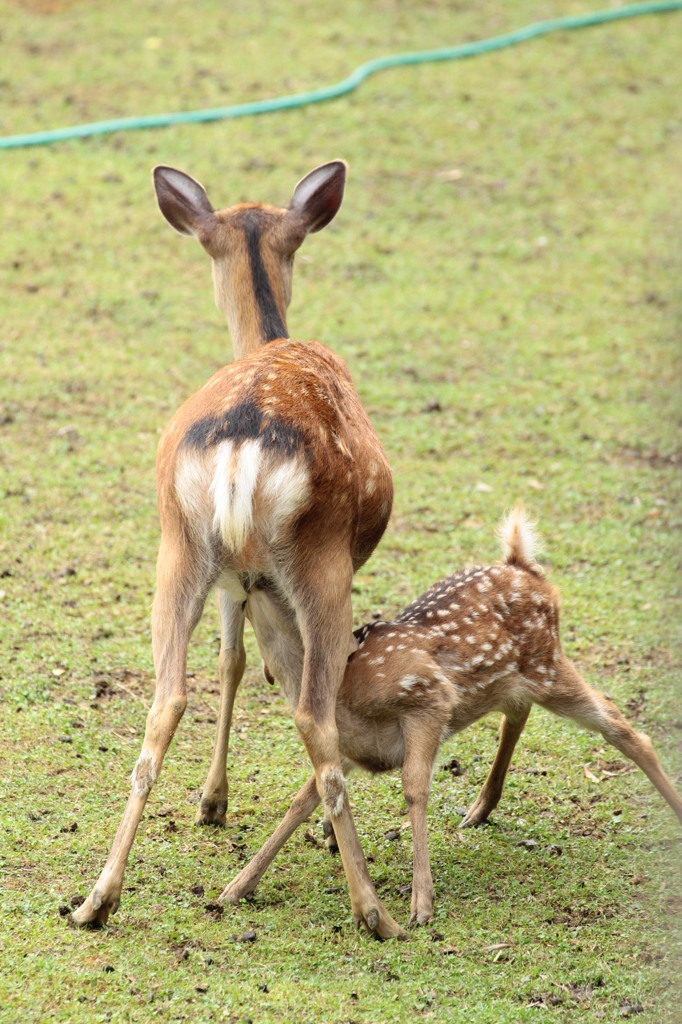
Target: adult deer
(274, 488)
(479, 641)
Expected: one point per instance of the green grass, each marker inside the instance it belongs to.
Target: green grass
(508, 248)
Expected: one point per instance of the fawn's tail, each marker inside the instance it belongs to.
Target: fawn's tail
(519, 539)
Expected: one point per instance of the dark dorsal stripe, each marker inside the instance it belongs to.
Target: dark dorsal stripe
(271, 322)
(240, 423)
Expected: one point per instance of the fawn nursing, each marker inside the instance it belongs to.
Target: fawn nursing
(273, 488)
(479, 641)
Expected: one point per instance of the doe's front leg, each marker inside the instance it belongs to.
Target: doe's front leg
(106, 895)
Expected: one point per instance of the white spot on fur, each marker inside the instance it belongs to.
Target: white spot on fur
(334, 788)
(407, 683)
(144, 773)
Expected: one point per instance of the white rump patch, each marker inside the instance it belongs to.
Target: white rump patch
(241, 469)
(286, 489)
(192, 480)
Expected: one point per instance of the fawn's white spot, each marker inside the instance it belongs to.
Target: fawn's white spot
(407, 683)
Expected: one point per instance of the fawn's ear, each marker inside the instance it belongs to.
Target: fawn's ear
(317, 197)
(182, 201)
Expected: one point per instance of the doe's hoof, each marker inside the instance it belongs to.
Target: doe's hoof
(94, 913)
(211, 812)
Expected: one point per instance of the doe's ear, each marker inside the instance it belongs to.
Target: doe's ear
(182, 200)
(317, 197)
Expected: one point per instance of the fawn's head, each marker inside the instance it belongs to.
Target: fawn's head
(252, 245)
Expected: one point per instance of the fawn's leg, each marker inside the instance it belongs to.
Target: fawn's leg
(302, 806)
(571, 697)
(232, 660)
(177, 608)
(323, 607)
(422, 741)
(511, 727)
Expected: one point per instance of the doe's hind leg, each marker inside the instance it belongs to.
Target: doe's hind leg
(177, 608)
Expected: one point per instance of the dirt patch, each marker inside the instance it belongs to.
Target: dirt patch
(651, 457)
(120, 683)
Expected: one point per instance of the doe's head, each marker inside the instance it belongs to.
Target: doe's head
(251, 245)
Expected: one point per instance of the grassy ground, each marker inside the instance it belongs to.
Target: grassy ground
(503, 282)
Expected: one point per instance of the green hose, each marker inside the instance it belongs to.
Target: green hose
(331, 92)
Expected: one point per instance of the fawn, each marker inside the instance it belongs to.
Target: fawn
(482, 640)
(273, 487)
